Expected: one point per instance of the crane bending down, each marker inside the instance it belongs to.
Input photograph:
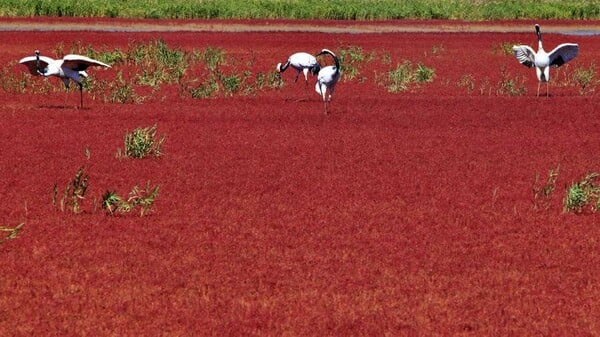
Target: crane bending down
(328, 78)
(302, 62)
(71, 67)
(542, 61)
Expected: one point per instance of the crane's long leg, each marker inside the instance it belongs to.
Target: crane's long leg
(538, 94)
(81, 94)
(547, 86)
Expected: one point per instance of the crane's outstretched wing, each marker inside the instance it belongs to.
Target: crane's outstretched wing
(563, 54)
(32, 64)
(80, 62)
(525, 55)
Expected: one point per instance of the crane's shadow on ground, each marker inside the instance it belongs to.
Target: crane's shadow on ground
(62, 107)
(297, 99)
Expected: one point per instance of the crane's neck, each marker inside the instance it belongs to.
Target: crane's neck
(337, 63)
(37, 60)
(539, 36)
(335, 59)
(37, 63)
(283, 67)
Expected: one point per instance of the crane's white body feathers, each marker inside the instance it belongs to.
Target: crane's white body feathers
(301, 62)
(541, 60)
(326, 81)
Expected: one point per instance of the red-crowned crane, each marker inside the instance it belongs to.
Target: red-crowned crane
(328, 78)
(70, 67)
(302, 62)
(542, 61)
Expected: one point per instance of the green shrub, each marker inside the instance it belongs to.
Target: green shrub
(206, 89)
(351, 58)
(585, 78)
(231, 84)
(400, 78)
(406, 75)
(583, 193)
(424, 74)
(142, 142)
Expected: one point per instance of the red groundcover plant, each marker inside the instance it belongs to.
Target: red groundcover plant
(404, 214)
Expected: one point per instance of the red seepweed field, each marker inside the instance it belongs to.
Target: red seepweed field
(398, 214)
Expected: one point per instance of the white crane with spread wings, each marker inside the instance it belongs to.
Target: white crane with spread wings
(542, 61)
(70, 67)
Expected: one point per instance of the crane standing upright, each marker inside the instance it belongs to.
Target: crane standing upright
(327, 78)
(542, 61)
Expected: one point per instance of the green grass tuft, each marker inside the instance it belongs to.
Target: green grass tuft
(307, 9)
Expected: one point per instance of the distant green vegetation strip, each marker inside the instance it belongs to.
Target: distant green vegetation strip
(307, 9)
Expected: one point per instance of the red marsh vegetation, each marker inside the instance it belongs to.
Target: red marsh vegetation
(398, 214)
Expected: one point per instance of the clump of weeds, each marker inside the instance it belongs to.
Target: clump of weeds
(582, 194)
(542, 191)
(11, 233)
(351, 59)
(467, 82)
(585, 79)
(139, 198)
(407, 75)
(74, 193)
(142, 142)
(511, 85)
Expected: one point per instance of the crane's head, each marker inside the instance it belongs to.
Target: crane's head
(538, 31)
(315, 69)
(278, 67)
(37, 53)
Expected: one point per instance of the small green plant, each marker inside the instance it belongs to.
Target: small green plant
(142, 142)
(400, 78)
(12, 232)
(437, 49)
(386, 58)
(585, 78)
(511, 86)
(206, 89)
(270, 80)
(583, 193)
(113, 203)
(212, 58)
(143, 199)
(121, 91)
(424, 74)
(231, 83)
(468, 82)
(74, 193)
(542, 192)
(351, 58)
(405, 75)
